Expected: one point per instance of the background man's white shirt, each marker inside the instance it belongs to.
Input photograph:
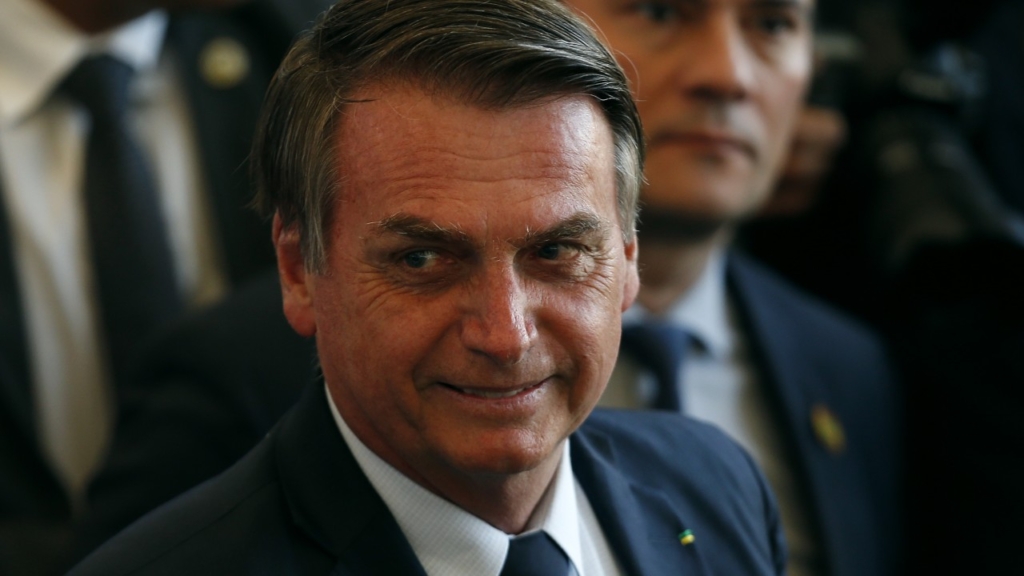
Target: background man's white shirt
(42, 147)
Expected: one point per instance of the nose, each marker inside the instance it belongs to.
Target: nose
(720, 63)
(497, 320)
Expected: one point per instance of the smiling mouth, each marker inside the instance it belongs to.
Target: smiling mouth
(490, 394)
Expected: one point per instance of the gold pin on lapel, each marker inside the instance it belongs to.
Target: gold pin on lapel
(686, 537)
(828, 429)
(224, 62)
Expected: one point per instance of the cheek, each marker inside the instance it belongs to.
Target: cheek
(782, 107)
(362, 330)
(586, 330)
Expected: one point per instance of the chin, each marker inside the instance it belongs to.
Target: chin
(178, 5)
(503, 454)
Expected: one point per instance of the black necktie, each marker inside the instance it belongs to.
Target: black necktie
(535, 554)
(661, 348)
(134, 273)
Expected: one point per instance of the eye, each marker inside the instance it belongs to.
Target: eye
(657, 12)
(419, 259)
(779, 21)
(550, 251)
(776, 25)
(556, 251)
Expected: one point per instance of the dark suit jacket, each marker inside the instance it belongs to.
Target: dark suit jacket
(215, 384)
(809, 356)
(30, 494)
(299, 504)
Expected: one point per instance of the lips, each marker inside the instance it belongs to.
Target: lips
(706, 138)
(493, 393)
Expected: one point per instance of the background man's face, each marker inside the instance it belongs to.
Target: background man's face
(718, 84)
(469, 316)
(96, 16)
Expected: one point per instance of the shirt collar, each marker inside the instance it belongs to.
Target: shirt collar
(703, 310)
(38, 47)
(449, 540)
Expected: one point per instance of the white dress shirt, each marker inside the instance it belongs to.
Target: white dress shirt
(449, 541)
(720, 384)
(42, 157)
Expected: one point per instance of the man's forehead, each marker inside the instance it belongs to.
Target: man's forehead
(387, 133)
(409, 107)
(575, 225)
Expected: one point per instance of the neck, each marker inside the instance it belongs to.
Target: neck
(506, 502)
(669, 267)
(97, 16)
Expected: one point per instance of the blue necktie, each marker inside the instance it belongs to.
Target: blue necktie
(134, 271)
(535, 554)
(661, 348)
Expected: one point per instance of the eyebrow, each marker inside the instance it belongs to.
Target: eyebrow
(806, 7)
(578, 225)
(410, 226)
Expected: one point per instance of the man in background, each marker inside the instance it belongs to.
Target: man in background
(123, 127)
(719, 85)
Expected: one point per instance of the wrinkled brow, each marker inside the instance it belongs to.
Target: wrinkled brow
(421, 229)
(578, 225)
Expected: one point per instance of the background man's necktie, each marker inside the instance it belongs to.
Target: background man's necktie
(133, 268)
(661, 348)
(535, 554)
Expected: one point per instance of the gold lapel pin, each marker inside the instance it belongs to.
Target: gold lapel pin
(686, 537)
(224, 62)
(828, 429)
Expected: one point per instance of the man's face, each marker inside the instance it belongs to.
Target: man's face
(718, 84)
(96, 16)
(469, 316)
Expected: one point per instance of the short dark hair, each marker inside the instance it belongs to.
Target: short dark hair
(495, 54)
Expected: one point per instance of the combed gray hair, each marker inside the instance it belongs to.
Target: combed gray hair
(494, 54)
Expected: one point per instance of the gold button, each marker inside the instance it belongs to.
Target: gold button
(686, 537)
(828, 429)
(224, 62)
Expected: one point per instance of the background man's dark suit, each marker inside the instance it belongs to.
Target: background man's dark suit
(298, 504)
(216, 384)
(30, 494)
(811, 358)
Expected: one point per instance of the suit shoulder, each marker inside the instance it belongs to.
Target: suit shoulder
(693, 457)
(698, 474)
(191, 526)
(239, 353)
(644, 434)
(762, 288)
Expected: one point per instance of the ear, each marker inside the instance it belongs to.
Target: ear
(295, 280)
(632, 287)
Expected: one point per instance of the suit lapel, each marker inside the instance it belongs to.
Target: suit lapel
(31, 487)
(330, 498)
(833, 482)
(15, 382)
(639, 524)
(225, 108)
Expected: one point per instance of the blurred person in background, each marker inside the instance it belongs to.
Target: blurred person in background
(123, 128)
(917, 229)
(720, 86)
